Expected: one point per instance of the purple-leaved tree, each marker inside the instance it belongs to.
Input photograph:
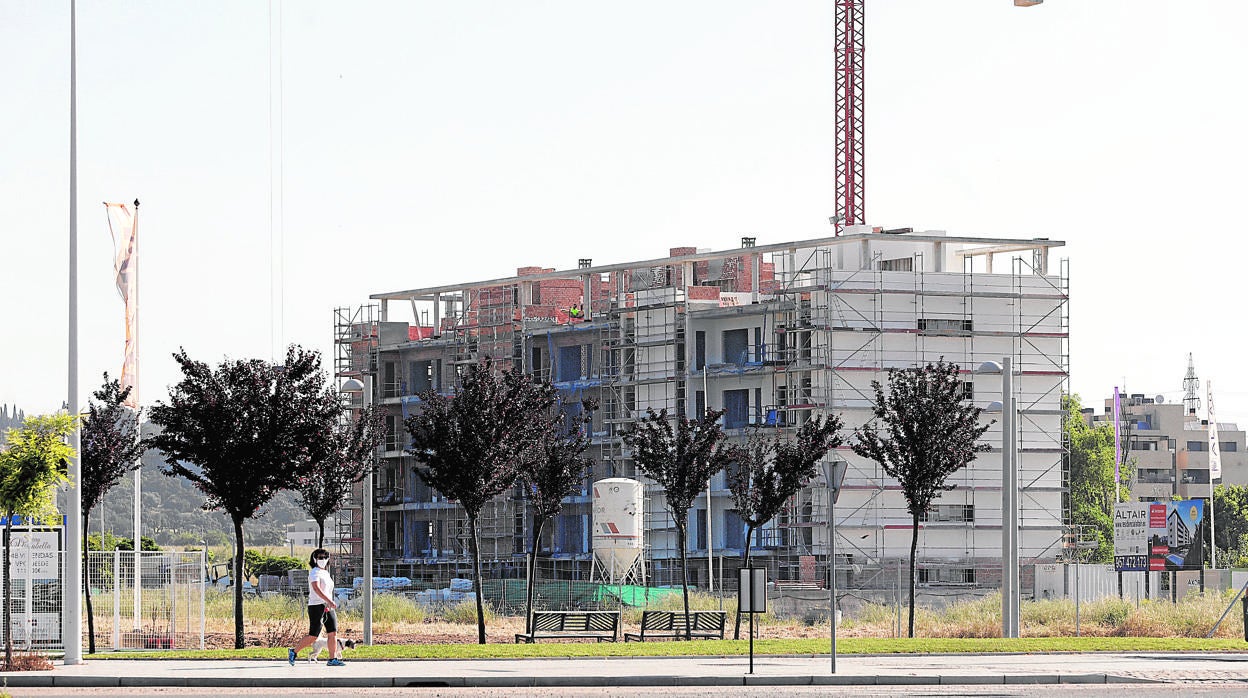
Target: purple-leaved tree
(922, 432)
(242, 432)
(680, 455)
(110, 449)
(771, 468)
(471, 446)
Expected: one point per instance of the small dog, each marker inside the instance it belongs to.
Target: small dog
(321, 643)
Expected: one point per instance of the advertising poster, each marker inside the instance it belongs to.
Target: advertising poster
(1184, 535)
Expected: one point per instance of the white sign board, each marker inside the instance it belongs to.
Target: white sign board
(35, 559)
(35, 555)
(752, 590)
(1131, 536)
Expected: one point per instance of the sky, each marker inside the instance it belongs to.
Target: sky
(294, 157)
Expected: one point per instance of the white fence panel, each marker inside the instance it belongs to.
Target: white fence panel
(162, 609)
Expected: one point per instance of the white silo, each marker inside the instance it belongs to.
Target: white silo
(618, 530)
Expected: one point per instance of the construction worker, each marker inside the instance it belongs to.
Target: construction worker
(575, 312)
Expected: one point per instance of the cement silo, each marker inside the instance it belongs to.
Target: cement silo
(618, 531)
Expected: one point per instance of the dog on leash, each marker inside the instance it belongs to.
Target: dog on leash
(321, 643)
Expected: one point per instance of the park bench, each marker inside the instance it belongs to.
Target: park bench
(603, 626)
(671, 625)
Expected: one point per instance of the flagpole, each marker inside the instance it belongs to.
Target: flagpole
(1215, 462)
(71, 618)
(133, 264)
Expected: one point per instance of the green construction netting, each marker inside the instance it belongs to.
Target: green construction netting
(509, 594)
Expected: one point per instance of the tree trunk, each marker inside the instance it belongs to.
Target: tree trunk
(239, 640)
(538, 523)
(8, 592)
(86, 583)
(914, 546)
(749, 536)
(320, 533)
(476, 580)
(684, 576)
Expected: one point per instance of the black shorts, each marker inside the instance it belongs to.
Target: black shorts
(318, 616)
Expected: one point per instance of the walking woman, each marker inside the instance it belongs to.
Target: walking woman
(321, 608)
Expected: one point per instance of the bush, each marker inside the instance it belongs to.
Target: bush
(258, 562)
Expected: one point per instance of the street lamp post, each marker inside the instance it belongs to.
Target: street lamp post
(354, 385)
(1009, 497)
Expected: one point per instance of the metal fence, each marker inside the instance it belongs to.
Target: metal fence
(162, 607)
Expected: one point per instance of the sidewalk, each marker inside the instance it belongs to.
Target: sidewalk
(629, 671)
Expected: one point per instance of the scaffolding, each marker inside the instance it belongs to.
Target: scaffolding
(774, 335)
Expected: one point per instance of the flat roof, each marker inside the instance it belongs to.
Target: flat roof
(994, 245)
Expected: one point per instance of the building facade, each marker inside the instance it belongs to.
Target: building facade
(1167, 445)
(773, 334)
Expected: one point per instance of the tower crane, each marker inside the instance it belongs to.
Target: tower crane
(850, 142)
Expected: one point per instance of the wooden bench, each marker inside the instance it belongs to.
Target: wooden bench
(705, 625)
(603, 626)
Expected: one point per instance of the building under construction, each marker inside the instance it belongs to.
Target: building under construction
(773, 334)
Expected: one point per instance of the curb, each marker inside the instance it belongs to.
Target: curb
(52, 681)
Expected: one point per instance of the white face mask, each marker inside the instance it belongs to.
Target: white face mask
(322, 563)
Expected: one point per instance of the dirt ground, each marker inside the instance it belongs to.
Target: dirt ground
(497, 630)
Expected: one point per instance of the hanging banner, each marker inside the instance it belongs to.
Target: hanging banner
(1215, 452)
(123, 225)
(1117, 440)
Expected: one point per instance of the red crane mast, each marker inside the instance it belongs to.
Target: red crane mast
(851, 171)
(850, 163)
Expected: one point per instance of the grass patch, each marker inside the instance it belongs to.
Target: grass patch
(847, 646)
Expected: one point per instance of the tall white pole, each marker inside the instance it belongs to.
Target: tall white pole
(1009, 502)
(138, 472)
(71, 604)
(367, 515)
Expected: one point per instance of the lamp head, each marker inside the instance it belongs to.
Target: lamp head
(352, 385)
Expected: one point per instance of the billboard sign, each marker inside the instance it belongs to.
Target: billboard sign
(1158, 536)
(1131, 536)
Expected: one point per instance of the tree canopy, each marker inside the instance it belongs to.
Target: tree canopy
(1093, 491)
(1230, 511)
(771, 468)
(244, 431)
(555, 468)
(32, 464)
(921, 433)
(326, 483)
(110, 448)
(110, 443)
(680, 455)
(471, 446)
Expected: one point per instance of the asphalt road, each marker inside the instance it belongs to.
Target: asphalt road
(1077, 691)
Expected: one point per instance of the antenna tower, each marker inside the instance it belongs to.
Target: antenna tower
(1191, 388)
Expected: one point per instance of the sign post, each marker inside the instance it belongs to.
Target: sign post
(752, 598)
(834, 477)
